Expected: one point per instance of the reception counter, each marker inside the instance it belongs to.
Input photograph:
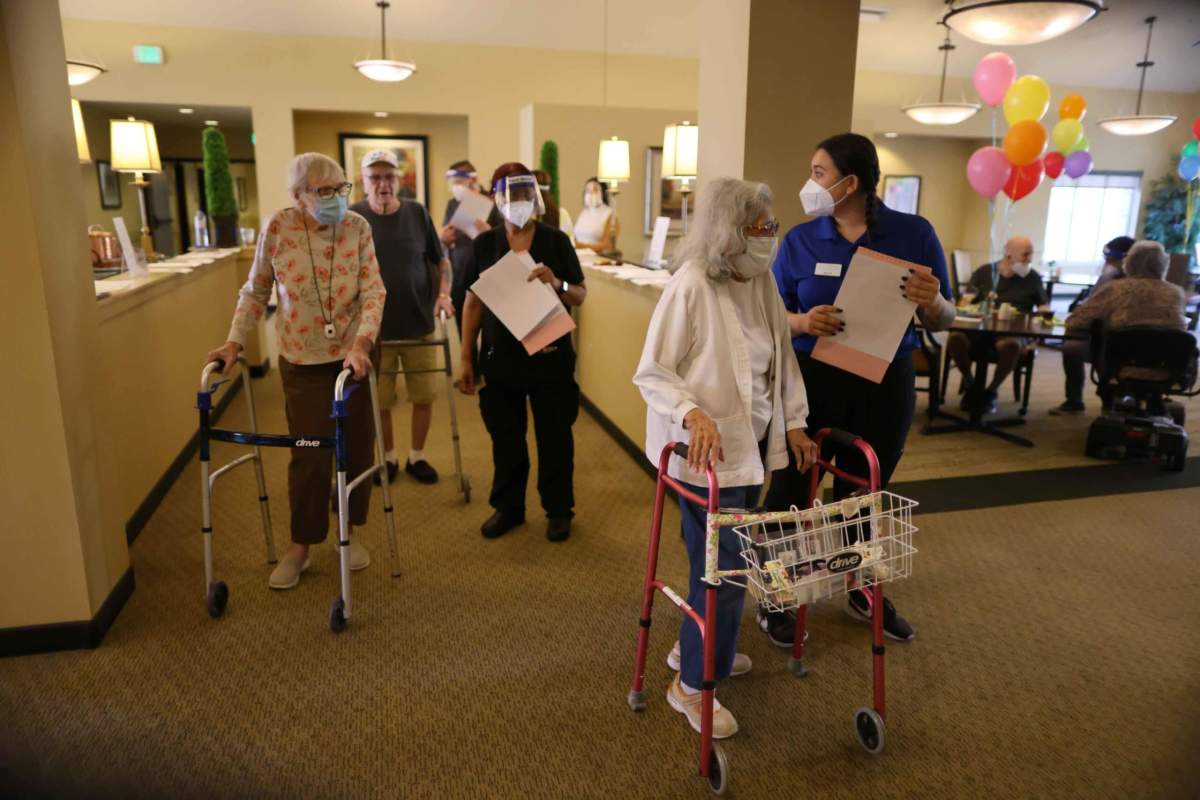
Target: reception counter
(153, 334)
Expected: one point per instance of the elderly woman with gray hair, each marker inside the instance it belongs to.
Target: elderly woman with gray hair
(1142, 298)
(717, 372)
(320, 258)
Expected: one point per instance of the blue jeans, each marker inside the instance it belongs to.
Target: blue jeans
(729, 595)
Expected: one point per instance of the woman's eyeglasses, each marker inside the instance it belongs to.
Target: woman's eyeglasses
(326, 192)
(768, 228)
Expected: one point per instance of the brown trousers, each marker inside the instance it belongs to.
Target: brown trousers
(308, 397)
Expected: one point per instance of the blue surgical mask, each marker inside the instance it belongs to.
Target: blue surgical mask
(331, 211)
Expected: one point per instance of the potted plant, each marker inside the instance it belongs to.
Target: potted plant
(1172, 217)
(549, 165)
(218, 189)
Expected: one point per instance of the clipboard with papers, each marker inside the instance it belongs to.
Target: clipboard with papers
(531, 310)
(876, 314)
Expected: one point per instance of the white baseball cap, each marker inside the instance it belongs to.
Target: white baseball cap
(378, 156)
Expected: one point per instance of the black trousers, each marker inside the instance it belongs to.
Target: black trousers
(555, 404)
(881, 413)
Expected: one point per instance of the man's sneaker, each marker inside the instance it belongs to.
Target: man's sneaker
(393, 469)
(780, 626)
(723, 723)
(558, 529)
(894, 626)
(287, 572)
(499, 524)
(422, 470)
(1068, 408)
(989, 401)
(741, 662)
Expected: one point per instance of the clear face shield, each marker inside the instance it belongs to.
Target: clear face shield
(459, 181)
(518, 198)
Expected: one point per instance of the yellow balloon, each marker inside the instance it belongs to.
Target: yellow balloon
(1066, 134)
(1027, 98)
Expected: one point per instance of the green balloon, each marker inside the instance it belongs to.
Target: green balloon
(1188, 150)
(1083, 144)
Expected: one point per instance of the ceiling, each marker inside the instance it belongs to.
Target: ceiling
(227, 116)
(1101, 53)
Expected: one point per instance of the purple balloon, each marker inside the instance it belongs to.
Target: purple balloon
(988, 170)
(1078, 164)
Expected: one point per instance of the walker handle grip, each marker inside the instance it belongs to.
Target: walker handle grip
(841, 438)
(681, 450)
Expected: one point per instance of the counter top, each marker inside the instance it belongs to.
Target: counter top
(120, 292)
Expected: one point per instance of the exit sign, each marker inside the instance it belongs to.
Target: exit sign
(147, 54)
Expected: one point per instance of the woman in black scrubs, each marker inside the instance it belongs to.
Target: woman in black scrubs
(511, 375)
(809, 269)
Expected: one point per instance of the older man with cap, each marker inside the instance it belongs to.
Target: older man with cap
(417, 278)
(462, 178)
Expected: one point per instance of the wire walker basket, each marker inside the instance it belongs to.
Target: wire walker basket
(798, 557)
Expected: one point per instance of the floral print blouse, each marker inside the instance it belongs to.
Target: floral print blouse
(352, 295)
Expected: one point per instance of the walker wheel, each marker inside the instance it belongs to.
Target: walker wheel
(218, 596)
(718, 770)
(869, 727)
(337, 616)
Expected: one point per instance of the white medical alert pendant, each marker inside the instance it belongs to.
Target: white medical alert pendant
(330, 331)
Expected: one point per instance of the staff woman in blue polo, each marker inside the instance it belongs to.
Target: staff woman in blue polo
(812, 263)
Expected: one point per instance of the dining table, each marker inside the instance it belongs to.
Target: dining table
(984, 331)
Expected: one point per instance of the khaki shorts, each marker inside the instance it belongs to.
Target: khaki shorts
(422, 386)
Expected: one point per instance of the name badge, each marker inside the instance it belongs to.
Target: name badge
(829, 270)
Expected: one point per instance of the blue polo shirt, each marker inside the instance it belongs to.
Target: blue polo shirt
(905, 236)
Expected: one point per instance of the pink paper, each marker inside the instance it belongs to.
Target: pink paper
(548, 332)
(849, 359)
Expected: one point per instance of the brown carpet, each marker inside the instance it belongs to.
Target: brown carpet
(1056, 656)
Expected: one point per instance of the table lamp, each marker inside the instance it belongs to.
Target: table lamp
(681, 151)
(135, 149)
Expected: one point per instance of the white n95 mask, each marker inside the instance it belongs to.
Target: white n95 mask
(758, 258)
(817, 200)
(518, 212)
(1021, 270)
(458, 190)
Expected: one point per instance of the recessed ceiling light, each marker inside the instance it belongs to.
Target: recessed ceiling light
(211, 122)
(187, 111)
(381, 114)
(891, 135)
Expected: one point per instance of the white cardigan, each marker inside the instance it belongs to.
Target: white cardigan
(696, 356)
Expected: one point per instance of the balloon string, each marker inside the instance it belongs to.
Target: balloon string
(993, 126)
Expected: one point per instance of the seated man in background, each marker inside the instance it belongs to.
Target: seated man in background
(1114, 260)
(1020, 285)
(1141, 298)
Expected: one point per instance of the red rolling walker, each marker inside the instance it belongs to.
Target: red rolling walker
(793, 558)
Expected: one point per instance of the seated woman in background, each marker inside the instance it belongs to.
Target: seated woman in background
(553, 214)
(1142, 297)
(596, 227)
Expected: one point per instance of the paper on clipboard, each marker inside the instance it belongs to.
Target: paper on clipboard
(875, 312)
(471, 208)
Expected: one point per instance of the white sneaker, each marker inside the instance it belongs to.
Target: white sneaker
(360, 558)
(287, 572)
(723, 723)
(741, 662)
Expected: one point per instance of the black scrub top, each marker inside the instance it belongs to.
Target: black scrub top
(502, 358)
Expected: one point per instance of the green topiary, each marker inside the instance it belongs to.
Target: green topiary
(549, 165)
(1168, 214)
(218, 188)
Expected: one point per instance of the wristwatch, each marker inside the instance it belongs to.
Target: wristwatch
(563, 287)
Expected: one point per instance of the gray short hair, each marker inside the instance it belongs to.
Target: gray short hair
(307, 169)
(1146, 259)
(726, 206)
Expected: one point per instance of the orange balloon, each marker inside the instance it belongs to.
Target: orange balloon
(1073, 106)
(1025, 142)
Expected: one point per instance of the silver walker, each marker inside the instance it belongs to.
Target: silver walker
(217, 592)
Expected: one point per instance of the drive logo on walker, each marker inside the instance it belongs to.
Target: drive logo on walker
(306, 443)
(844, 562)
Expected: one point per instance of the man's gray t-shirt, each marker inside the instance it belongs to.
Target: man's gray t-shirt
(408, 251)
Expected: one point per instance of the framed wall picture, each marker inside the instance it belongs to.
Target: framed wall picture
(902, 192)
(663, 197)
(410, 151)
(110, 185)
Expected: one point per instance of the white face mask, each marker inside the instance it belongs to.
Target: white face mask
(458, 190)
(592, 200)
(817, 200)
(518, 212)
(759, 256)
(1021, 270)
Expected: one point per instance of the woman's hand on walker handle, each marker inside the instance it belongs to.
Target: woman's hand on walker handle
(358, 360)
(227, 353)
(803, 448)
(705, 444)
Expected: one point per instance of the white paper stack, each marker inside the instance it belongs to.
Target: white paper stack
(472, 208)
(529, 309)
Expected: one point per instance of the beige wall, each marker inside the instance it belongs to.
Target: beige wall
(317, 131)
(578, 130)
(946, 197)
(725, 43)
(275, 74)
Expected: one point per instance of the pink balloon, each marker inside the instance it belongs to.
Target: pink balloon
(993, 75)
(1078, 164)
(988, 170)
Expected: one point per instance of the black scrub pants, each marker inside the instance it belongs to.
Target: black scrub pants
(881, 413)
(554, 398)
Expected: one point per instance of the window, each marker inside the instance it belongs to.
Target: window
(1086, 214)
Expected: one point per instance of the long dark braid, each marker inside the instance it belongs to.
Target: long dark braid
(855, 155)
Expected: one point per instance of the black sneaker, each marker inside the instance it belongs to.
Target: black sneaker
(423, 471)
(894, 626)
(1068, 408)
(558, 529)
(499, 524)
(989, 401)
(393, 469)
(779, 626)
